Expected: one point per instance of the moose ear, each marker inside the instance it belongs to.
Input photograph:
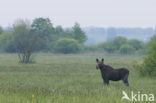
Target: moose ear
(102, 60)
(97, 60)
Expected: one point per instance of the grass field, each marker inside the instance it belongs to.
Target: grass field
(67, 79)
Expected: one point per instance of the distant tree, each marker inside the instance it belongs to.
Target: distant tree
(6, 42)
(136, 44)
(43, 27)
(118, 41)
(90, 48)
(126, 49)
(67, 45)
(148, 67)
(45, 30)
(108, 46)
(1, 30)
(69, 33)
(60, 33)
(25, 41)
(79, 35)
(59, 30)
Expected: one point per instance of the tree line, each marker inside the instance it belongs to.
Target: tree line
(25, 38)
(120, 45)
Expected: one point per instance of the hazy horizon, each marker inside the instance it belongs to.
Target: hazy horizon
(97, 13)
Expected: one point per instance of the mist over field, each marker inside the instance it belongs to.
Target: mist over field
(99, 34)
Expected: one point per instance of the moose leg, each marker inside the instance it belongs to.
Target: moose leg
(125, 80)
(106, 81)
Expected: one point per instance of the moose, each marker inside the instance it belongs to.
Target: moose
(109, 73)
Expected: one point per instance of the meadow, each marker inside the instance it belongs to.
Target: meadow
(72, 78)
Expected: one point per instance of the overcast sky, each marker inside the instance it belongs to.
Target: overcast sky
(101, 13)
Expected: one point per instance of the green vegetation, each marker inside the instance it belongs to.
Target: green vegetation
(1, 30)
(67, 46)
(107, 46)
(79, 35)
(45, 32)
(127, 49)
(148, 67)
(122, 45)
(25, 42)
(40, 35)
(6, 42)
(136, 44)
(25, 38)
(67, 79)
(118, 42)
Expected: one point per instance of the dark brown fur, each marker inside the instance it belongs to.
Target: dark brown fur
(109, 73)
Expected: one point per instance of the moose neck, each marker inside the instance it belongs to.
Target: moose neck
(102, 68)
(105, 68)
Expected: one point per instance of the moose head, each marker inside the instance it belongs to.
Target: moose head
(99, 63)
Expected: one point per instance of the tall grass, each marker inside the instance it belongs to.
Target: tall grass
(67, 79)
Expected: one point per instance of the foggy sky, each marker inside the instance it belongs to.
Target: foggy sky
(101, 13)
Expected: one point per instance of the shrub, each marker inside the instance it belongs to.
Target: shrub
(148, 67)
(25, 41)
(126, 49)
(118, 41)
(136, 44)
(66, 46)
(108, 46)
(90, 48)
(7, 43)
(1, 30)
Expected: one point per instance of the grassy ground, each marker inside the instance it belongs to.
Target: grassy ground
(67, 79)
